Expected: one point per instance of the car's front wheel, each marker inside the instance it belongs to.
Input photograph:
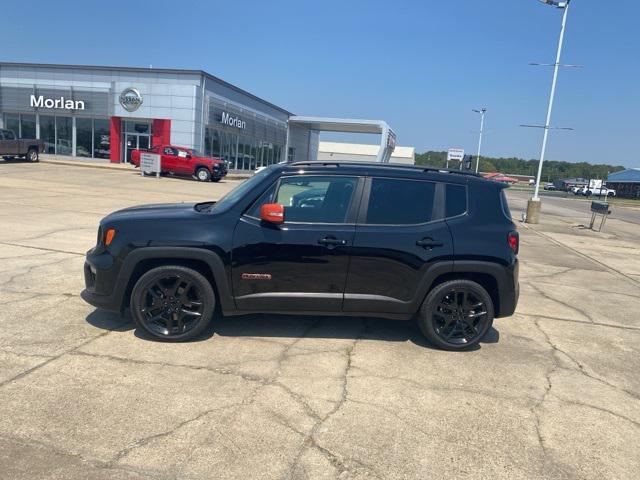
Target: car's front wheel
(172, 303)
(456, 315)
(203, 174)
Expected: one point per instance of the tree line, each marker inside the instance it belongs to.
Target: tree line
(551, 169)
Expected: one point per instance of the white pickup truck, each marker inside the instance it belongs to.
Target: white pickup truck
(601, 192)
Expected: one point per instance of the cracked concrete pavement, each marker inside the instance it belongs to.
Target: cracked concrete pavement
(553, 392)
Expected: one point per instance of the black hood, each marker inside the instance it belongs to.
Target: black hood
(157, 211)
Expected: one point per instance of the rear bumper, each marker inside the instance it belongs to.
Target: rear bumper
(509, 291)
(509, 302)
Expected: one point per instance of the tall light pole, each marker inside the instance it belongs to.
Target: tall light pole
(533, 206)
(482, 111)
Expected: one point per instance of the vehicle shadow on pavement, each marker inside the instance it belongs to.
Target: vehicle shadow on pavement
(292, 326)
(111, 321)
(356, 328)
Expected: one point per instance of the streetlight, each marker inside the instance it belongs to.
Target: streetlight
(533, 205)
(482, 111)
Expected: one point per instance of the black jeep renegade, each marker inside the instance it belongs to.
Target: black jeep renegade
(317, 238)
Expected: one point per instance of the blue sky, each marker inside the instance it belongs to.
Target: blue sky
(420, 65)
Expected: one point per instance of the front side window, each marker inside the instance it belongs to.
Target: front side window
(308, 199)
(169, 151)
(400, 202)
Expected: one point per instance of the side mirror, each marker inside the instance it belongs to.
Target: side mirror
(272, 213)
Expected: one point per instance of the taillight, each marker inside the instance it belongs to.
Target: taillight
(514, 241)
(108, 236)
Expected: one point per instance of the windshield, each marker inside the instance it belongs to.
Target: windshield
(240, 191)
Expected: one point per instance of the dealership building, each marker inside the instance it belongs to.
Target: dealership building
(107, 112)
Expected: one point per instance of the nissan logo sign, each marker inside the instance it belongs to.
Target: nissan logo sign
(130, 99)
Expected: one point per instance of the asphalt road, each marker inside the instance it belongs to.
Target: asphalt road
(571, 207)
(553, 392)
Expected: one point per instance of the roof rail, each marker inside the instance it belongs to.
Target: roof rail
(337, 163)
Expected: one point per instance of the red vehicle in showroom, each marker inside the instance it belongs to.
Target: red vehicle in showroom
(185, 161)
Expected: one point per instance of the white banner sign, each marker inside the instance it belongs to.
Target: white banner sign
(150, 163)
(455, 154)
(595, 184)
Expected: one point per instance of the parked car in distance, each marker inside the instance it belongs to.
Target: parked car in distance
(377, 240)
(11, 146)
(549, 186)
(185, 161)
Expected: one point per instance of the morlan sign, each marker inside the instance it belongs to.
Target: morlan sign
(59, 103)
(233, 121)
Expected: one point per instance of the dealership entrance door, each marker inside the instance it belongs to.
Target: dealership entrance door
(136, 134)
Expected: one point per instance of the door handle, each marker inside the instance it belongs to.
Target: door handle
(428, 243)
(331, 241)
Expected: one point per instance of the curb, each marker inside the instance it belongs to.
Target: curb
(120, 167)
(71, 163)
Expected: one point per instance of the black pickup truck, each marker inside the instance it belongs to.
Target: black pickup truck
(11, 146)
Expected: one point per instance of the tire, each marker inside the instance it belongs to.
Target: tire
(450, 328)
(32, 155)
(162, 297)
(203, 174)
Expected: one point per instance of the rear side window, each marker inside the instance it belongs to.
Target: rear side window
(456, 203)
(400, 202)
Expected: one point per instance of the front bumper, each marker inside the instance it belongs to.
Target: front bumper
(100, 278)
(220, 172)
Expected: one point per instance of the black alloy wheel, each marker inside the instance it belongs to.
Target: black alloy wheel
(456, 315)
(172, 303)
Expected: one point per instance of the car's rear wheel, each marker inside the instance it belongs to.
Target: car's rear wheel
(32, 155)
(172, 303)
(456, 315)
(203, 174)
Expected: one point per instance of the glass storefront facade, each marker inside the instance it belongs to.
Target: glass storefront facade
(92, 134)
(245, 139)
(242, 152)
(77, 111)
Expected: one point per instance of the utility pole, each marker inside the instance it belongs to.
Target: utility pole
(533, 205)
(482, 111)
